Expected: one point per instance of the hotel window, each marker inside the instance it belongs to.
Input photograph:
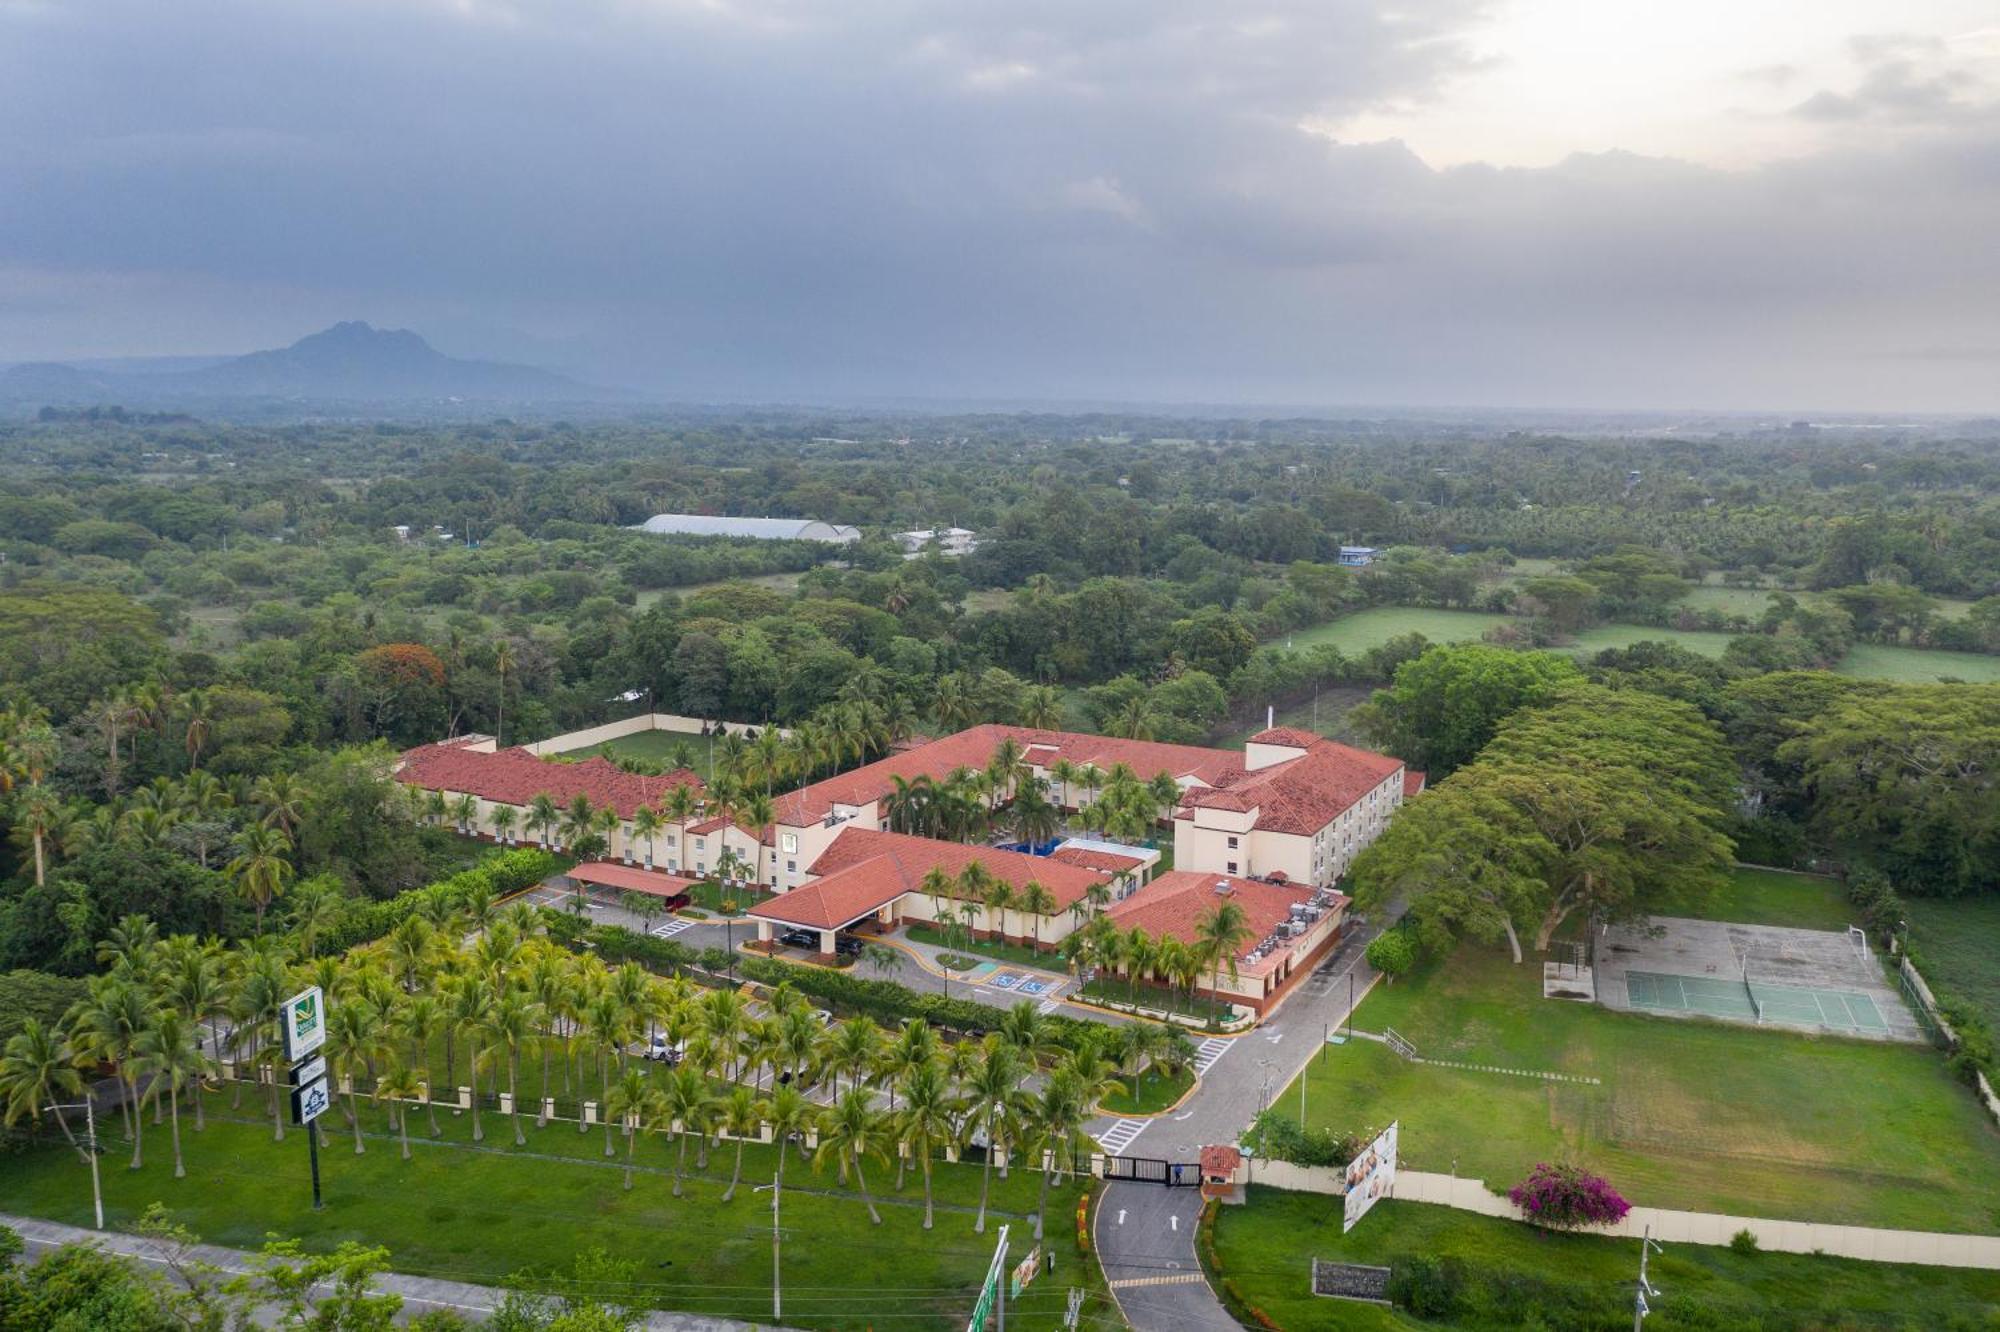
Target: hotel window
(1232, 844)
(791, 867)
(790, 842)
(1232, 868)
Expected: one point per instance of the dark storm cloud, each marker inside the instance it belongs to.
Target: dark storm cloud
(1095, 199)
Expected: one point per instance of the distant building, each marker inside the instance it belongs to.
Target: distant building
(761, 529)
(1358, 557)
(951, 542)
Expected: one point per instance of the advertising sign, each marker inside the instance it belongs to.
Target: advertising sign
(311, 1071)
(305, 1023)
(310, 1101)
(1024, 1272)
(1369, 1176)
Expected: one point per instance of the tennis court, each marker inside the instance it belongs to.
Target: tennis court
(1835, 1010)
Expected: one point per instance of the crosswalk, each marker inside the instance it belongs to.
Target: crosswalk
(1207, 1053)
(1119, 1136)
(672, 927)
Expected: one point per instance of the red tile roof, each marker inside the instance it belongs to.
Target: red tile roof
(632, 878)
(1304, 794)
(515, 777)
(892, 858)
(1413, 782)
(1220, 1160)
(1106, 861)
(1172, 904)
(973, 748)
(1289, 736)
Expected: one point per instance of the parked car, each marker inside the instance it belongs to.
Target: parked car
(800, 939)
(848, 945)
(660, 1050)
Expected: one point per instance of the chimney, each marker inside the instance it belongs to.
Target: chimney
(1270, 715)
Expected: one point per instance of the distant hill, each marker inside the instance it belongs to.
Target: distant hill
(352, 363)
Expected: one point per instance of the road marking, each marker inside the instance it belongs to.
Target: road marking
(672, 927)
(1207, 1053)
(1178, 1279)
(1174, 1221)
(1121, 1216)
(1185, 1114)
(1120, 1135)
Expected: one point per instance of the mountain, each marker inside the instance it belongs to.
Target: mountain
(351, 363)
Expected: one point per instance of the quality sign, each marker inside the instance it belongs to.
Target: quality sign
(305, 1023)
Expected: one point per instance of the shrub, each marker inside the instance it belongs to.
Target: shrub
(890, 1003)
(1564, 1197)
(1881, 909)
(1743, 1241)
(1274, 1135)
(1392, 952)
(1425, 1285)
(497, 875)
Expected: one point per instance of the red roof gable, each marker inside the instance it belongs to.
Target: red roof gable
(632, 878)
(515, 777)
(1413, 782)
(1304, 794)
(1290, 736)
(886, 858)
(1107, 861)
(1172, 904)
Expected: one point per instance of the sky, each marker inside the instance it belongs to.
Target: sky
(1644, 204)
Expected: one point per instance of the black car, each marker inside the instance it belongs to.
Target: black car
(800, 939)
(848, 945)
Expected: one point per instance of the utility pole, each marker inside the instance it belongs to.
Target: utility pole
(1639, 1306)
(777, 1295)
(89, 1150)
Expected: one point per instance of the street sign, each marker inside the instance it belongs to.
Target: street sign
(310, 1101)
(311, 1070)
(1025, 1271)
(990, 1289)
(305, 1023)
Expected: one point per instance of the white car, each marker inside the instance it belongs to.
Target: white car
(661, 1050)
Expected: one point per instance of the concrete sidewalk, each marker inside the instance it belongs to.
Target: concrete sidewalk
(420, 1294)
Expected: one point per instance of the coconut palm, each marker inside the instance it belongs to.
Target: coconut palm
(927, 1121)
(544, 816)
(647, 824)
(609, 1028)
(170, 1058)
(106, 1025)
(854, 1048)
(465, 813)
(127, 948)
(503, 818)
(513, 1022)
(679, 806)
(635, 1103)
(260, 868)
(412, 952)
(192, 982)
(38, 1069)
(687, 1103)
(1051, 1124)
(993, 1103)
(36, 812)
(738, 1114)
(789, 1114)
(353, 1037)
(1041, 707)
(851, 1130)
(419, 1020)
(1038, 902)
(1220, 933)
(400, 1085)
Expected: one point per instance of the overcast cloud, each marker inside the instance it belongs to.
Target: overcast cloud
(836, 199)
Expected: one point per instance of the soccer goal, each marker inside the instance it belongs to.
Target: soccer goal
(1858, 937)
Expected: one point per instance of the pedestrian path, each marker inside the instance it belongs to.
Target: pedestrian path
(1120, 1135)
(1207, 1053)
(673, 927)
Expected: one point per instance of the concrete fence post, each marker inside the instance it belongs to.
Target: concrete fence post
(590, 1112)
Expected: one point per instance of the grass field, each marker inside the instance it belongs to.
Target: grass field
(1574, 1282)
(1755, 896)
(1356, 633)
(1152, 1092)
(1908, 665)
(1958, 942)
(1689, 1114)
(479, 1214)
(787, 583)
(654, 746)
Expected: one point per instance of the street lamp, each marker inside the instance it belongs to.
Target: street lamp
(777, 1298)
(1647, 1246)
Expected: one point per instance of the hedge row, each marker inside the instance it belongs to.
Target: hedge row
(496, 876)
(890, 1003)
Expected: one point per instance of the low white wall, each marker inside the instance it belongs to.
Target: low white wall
(593, 736)
(1868, 1243)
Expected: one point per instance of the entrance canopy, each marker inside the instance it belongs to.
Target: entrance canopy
(632, 879)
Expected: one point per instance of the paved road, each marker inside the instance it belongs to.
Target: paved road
(1145, 1233)
(420, 1294)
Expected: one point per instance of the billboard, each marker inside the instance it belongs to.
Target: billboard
(305, 1023)
(1370, 1176)
(310, 1101)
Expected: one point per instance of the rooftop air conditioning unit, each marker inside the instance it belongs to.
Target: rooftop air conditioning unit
(1222, 886)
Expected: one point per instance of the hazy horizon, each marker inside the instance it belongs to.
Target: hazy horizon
(1453, 206)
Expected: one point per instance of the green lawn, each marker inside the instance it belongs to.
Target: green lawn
(1695, 1115)
(1265, 1250)
(1356, 633)
(1599, 637)
(479, 1215)
(1156, 997)
(1152, 1092)
(1908, 665)
(1017, 954)
(654, 746)
(1755, 896)
(1958, 942)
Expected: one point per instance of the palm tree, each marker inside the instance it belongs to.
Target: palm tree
(610, 1027)
(975, 882)
(317, 908)
(647, 823)
(854, 1047)
(544, 816)
(260, 868)
(738, 1114)
(1134, 721)
(1064, 773)
(688, 1100)
(465, 1001)
(503, 664)
(928, 1120)
(37, 1070)
(993, 1100)
(634, 1103)
(1035, 820)
(106, 1026)
(465, 813)
(513, 1022)
(418, 1020)
(999, 900)
(680, 806)
(788, 1113)
(1221, 932)
(194, 984)
(195, 718)
(850, 1130)
(36, 812)
(503, 819)
(400, 1085)
(353, 1037)
(169, 1056)
(283, 798)
(1053, 1120)
(1038, 902)
(1041, 708)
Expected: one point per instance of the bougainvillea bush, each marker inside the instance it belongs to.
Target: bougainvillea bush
(1564, 1197)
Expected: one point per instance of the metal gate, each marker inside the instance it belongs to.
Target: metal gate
(1147, 1170)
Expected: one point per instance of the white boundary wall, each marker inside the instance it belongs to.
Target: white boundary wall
(1868, 1243)
(591, 737)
